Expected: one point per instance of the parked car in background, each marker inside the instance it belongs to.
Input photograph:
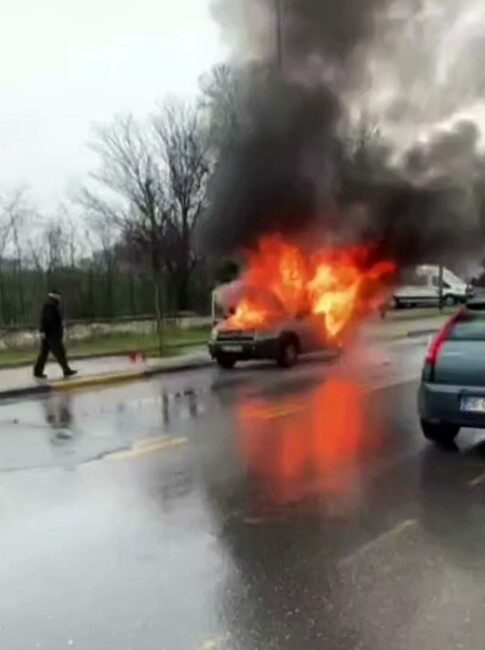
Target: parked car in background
(452, 390)
(421, 286)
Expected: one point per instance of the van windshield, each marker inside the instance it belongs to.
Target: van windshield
(451, 278)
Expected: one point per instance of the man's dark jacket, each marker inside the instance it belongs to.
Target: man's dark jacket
(51, 325)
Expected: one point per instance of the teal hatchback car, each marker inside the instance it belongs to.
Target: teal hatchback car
(452, 390)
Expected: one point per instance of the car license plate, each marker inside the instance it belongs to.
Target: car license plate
(473, 404)
(232, 348)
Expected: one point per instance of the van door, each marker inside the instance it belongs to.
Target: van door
(417, 290)
(436, 286)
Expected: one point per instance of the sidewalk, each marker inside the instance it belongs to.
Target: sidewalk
(394, 326)
(18, 382)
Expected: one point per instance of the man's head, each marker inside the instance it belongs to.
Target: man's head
(55, 296)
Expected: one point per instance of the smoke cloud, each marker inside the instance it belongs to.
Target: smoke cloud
(304, 157)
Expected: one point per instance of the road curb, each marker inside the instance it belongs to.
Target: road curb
(28, 391)
(407, 335)
(96, 380)
(424, 332)
(124, 377)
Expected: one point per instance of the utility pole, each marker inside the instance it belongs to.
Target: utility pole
(440, 287)
(279, 34)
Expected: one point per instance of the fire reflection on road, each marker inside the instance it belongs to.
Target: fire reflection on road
(293, 452)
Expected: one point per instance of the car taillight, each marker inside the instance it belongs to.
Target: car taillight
(436, 345)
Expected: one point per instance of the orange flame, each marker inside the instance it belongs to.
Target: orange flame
(339, 284)
(248, 315)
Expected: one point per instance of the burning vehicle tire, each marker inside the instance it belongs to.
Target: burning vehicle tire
(439, 433)
(288, 352)
(225, 361)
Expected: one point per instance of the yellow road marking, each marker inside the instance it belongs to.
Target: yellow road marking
(478, 480)
(99, 380)
(148, 447)
(261, 413)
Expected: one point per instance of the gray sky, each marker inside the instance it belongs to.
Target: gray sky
(65, 64)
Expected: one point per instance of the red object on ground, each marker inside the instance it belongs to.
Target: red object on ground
(136, 356)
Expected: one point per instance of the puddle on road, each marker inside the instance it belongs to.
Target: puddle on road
(70, 428)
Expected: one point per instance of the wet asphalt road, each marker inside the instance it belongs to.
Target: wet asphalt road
(241, 511)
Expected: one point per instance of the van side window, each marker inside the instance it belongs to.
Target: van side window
(414, 279)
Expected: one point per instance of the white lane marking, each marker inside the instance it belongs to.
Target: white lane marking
(478, 480)
(377, 542)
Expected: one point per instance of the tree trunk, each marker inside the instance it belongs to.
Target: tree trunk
(158, 311)
(110, 310)
(182, 289)
(180, 284)
(132, 295)
(2, 302)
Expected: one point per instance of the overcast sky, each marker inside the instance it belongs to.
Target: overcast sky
(65, 64)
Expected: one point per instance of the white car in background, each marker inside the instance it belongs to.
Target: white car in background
(422, 287)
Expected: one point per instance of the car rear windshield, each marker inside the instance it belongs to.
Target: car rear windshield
(469, 327)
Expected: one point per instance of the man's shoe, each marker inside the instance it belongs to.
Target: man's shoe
(70, 373)
(38, 375)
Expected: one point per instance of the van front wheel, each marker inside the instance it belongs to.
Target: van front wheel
(226, 361)
(440, 433)
(288, 353)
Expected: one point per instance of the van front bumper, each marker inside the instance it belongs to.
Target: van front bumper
(245, 350)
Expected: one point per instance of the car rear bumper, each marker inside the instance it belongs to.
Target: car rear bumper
(248, 350)
(441, 403)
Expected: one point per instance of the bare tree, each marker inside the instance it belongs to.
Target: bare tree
(4, 239)
(221, 98)
(183, 146)
(102, 238)
(75, 244)
(131, 194)
(16, 215)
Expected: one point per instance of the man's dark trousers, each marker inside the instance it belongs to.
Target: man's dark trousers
(56, 346)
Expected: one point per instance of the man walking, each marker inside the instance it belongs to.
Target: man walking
(52, 334)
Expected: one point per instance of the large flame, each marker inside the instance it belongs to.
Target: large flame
(340, 284)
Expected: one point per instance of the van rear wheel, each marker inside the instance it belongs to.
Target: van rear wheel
(440, 433)
(450, 301)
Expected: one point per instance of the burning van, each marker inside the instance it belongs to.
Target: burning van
(282, 338)
(290, 301)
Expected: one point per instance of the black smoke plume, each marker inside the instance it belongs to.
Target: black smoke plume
(297, 164)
